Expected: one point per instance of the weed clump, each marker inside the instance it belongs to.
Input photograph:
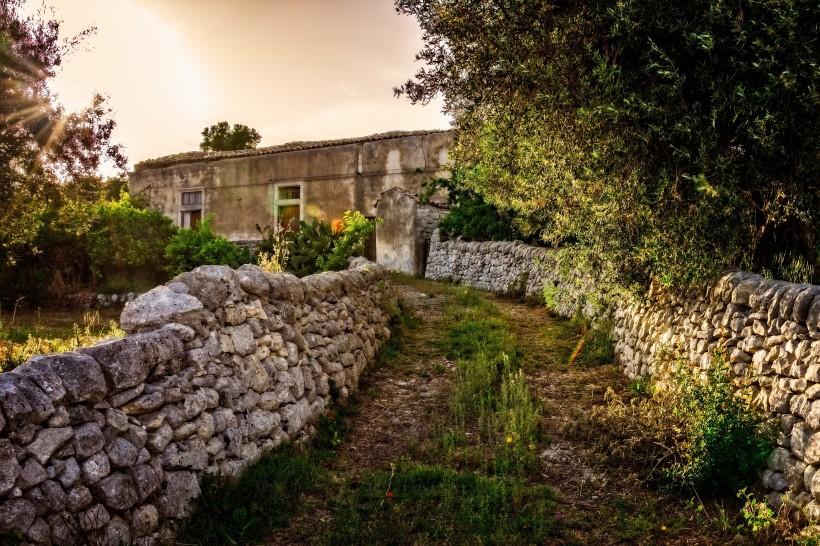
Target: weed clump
(686, 432)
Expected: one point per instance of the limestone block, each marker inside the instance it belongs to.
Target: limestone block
(88, 440)
(122, 453)
(116, 491)
(801, 434)
(146, 481)
(159, 439)
(128, 361)
(187, 455)
(31, 474)
(17, 514)
(144, 520)
(79, 374)
(144, 404)
(180, 489)
(47, 441)
(95, 468)
(93, 518)
(71, 473)
(9, 467)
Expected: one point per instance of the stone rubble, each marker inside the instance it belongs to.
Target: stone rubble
(108, 444)
(769, 331)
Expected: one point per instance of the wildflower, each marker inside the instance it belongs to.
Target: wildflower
(509, 439)
(389, 495)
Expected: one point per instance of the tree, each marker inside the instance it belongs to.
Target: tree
(650, 141)
(222, 138)
(42, 147)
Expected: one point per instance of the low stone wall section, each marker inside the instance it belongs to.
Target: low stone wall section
(108, 444)
(769, 331)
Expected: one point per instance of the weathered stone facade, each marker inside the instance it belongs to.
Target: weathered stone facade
(403, 238)
(109, 443)
(769, 330)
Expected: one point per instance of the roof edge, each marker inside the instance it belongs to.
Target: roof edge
(204, 157)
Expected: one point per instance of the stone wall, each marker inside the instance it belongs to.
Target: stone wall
(769, 331)
(110, 442)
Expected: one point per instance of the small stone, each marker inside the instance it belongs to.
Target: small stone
(117, 491)
(47, 441)
(96, 468)
(95, 517)
(180, 489)
(145, 520)
(32, 474)
(88, 440)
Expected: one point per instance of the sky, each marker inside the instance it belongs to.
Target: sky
(291, 69)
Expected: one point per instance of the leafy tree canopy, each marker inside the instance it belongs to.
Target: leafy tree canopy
(221, 137)
(650, 140)
(43, 148)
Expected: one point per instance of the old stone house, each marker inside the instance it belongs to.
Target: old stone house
(280, 185)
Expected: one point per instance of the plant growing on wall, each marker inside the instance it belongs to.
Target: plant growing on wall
(191, 248)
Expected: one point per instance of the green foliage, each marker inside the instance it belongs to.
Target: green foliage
(470, 216)
(307, 245)
(126, 238)
(244, 511)
(660, 140)
(43, 148)
(354, 235)
(434, 505)
(723, 447)
(191, 248)
(221, 137)
(687, 432)
(316, 248)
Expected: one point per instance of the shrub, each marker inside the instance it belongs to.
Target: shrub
(316, 248)
(191, 248)
(470, 216)
(307, 245)
(127, 239)
(691, 433)
(351, 241)
(722, 446)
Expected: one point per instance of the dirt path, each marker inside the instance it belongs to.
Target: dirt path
(400, 401)
(393, 408)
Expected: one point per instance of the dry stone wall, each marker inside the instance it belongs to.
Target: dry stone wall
(769, 331)
(108, 444)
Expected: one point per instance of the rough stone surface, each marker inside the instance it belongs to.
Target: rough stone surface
(111, 441)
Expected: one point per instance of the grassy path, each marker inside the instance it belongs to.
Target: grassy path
(464, 434)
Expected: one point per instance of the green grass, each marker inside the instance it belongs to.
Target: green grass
(246, 510)
(435, 505)
(29, 332)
